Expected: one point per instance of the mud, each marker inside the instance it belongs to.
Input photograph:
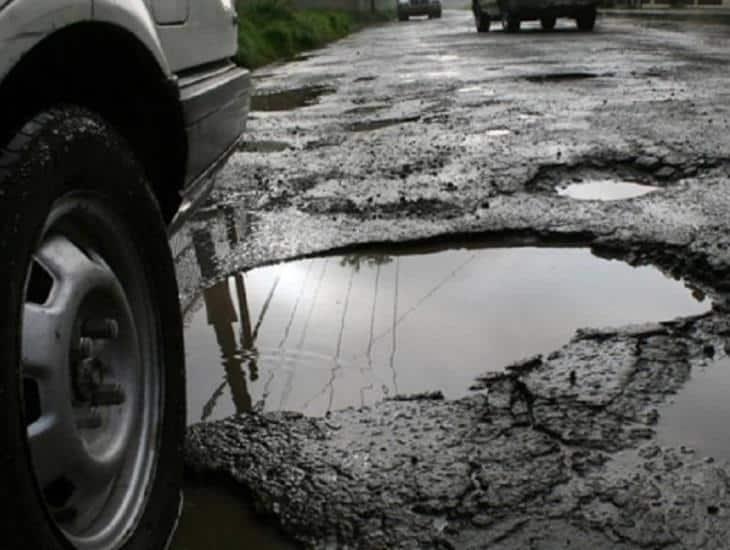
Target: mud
(565, 450)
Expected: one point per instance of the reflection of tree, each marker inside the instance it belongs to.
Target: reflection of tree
(371, 260)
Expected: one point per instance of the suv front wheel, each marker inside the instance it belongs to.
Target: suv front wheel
(92, 365)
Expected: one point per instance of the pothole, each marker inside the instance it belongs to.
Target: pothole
(370, 125)
(331, 332)
(559, 77)
(264, 146)
(215, 515)
(604, 190)
(498, 132)
(287, 100)
(697, 416)
(598, 177)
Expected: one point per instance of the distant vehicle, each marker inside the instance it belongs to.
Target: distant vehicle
(112, 115)
(407, 8)
(512, 12)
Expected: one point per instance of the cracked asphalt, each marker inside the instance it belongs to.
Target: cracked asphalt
(425, 130)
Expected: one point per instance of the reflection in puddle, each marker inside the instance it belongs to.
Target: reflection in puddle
(605, 190)
(326, 333)
(288, 100)
(697, 418)
(216, 517)
(475, 90)
(498, 132)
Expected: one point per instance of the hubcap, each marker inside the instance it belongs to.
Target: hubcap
(90, 390)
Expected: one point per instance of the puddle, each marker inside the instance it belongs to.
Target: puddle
(498, 132)
(368, 126)
(301, 57)
(288, 100)
(331, 332)
(604, 190)
(264, 146)
(559, 77)
(697, 417)
(215, 516)
(476, 90)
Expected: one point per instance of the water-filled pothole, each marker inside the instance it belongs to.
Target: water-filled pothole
(330, 332)
(287, 100)
(371, 125)
(264, 146)
(697, 416)
(216, 515)
(604, 190)
(559, 77)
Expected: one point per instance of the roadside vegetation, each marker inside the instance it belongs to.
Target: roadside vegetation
(270, 30)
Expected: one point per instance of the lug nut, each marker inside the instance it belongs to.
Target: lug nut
(86, 348)
(100, 329)
(108, 394)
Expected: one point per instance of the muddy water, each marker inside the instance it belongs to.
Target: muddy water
(217, 517)
(332, 332)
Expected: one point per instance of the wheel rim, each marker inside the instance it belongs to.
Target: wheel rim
(91, 390)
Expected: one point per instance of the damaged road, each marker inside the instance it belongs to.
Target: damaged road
(558, 453)
(426, 130)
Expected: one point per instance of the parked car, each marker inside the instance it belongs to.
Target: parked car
(512, 12)
(407, 8)
(112, 115)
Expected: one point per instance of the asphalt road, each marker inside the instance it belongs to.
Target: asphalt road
(427, 129)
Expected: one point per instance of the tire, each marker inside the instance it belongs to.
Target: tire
(510, 22)
(586, 19)
(93, 382)
(548, 22)
(402, 17)
(482, 21)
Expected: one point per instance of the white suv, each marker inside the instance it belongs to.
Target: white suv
(112, 113)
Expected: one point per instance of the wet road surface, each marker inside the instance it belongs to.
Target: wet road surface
(613, 438)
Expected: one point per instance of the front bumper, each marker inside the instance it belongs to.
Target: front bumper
(538, 7)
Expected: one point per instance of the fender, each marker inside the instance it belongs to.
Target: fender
(135, 17)
(25, 24)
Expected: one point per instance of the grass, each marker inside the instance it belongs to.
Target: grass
(270, 30)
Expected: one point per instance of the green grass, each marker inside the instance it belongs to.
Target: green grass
(270, 30)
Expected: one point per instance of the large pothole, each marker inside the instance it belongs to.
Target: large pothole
(288, 100)
(331, 332)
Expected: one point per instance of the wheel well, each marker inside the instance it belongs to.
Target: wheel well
(106, 69)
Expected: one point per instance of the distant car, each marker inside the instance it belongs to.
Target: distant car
(407, 8)
(112, 115)
(512, 12)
